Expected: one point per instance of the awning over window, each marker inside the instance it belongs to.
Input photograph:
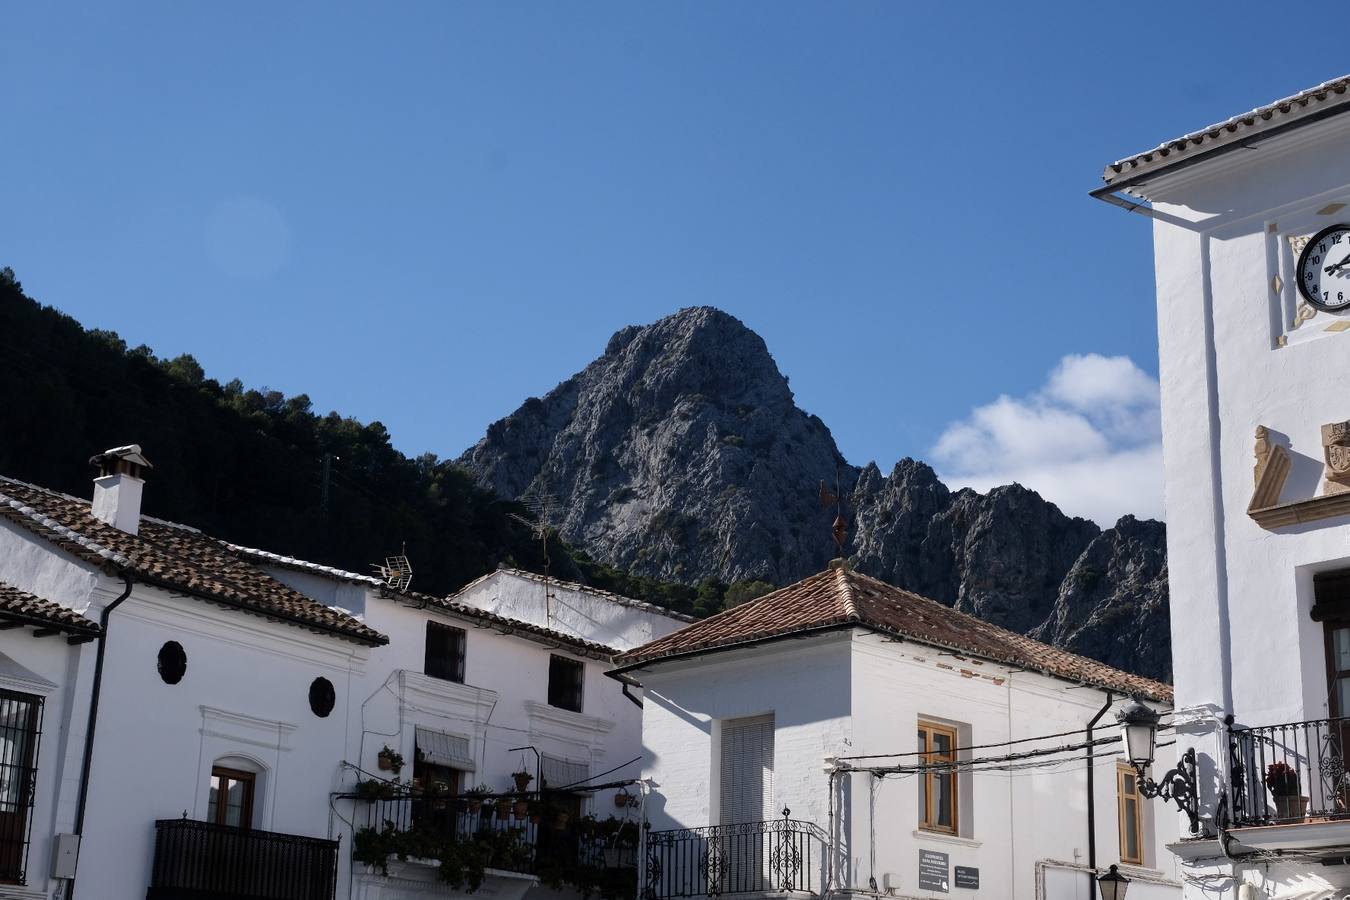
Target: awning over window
(442, 749)
(560, 773)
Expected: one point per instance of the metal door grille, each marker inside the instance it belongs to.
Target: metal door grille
(20, 729)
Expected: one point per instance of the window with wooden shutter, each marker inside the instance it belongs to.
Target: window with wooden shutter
(937, 785)
(1131, 809)
(746, 783)
(444, 652)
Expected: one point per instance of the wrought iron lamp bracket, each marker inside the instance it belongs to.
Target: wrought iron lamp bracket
(1178, 786)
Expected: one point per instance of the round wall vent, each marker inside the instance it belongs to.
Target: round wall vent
(322, 697)
(172, 662)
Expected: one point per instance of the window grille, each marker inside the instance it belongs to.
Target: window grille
(20, 729)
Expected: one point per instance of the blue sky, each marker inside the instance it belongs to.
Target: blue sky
(425, 213)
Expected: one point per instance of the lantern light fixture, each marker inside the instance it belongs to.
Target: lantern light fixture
(1139, 731)
(1113, 885)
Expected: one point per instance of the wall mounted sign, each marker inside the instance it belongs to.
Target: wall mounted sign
(967, 877)
(933, 871)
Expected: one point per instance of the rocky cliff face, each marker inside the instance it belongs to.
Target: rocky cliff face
(680, 454)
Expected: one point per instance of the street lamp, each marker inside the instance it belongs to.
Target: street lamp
(1139, 730)
(1113, 884)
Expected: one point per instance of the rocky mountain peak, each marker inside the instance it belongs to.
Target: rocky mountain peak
(679, 453)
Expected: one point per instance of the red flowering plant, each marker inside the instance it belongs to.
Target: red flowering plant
(1282, 779)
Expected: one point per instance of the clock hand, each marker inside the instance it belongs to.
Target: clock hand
(1338, 266)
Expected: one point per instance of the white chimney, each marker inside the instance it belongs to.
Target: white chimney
(119, 485)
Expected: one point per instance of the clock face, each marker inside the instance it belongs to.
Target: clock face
(1324, 269)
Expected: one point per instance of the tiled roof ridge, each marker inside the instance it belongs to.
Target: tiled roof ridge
(622, 599)
(1181, 145)
(59, 528)
(1007, 633)
(495, 619)
(295, 562)
(840, 597)
(847, 593)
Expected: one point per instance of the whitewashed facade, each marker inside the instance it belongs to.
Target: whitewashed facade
(212, 661)
(514, 623)
(804, 704)
(1252, 376)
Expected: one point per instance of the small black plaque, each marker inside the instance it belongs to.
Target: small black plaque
(933, 871)
(967, 877)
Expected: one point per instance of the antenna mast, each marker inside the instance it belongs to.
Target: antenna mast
(541, 505)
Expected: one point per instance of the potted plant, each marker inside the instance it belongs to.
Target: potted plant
(1282, 782)
(623, 798)
(521, 808)
(522, 780)
(475, 796)
(390, 760)
(503, 809)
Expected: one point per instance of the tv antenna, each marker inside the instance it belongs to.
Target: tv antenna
(396, 571)
(541, 506)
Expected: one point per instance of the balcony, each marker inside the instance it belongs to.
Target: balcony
(503, 835)
(1291, 775)
(204, 861)
(778, 856)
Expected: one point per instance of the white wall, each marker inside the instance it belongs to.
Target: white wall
(846, 695)
(619, 623)
(245, 694)
(502, 704)
(1243, 642)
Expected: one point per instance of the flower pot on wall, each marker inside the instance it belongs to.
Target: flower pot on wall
(1291, 806)
(521, 808)
(503, 810)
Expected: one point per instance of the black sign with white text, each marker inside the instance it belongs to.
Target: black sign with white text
(967, 877)
(933, 870)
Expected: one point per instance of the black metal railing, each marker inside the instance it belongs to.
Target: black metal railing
(460, 819)
(520, 838)
(779, 855)
(204, 861)
(1283, 774)
(20, 732)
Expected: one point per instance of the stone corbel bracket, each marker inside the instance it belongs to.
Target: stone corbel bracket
(1272, 468)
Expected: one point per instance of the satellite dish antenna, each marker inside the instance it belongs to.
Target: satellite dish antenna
(542, 506)
(396, 571)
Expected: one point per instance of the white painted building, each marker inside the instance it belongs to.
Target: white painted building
(222, 700)
(781, 741)
(1254, 363)
(243, 697)
(527, 669)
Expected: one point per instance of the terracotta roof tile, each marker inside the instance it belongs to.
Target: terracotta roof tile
(1311, 104)
(840, 597)
(173, 556)
(25, 607)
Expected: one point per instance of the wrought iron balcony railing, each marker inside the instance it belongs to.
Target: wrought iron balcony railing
(1283, 774)
(778, 856)
(520, 839)
(204, 861)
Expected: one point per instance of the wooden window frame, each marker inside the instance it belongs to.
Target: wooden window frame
(1124, 770)
(928, 818)
(434, 665)
(250, 780)
(579, 692)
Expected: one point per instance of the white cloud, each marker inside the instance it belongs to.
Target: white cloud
(1088, 441)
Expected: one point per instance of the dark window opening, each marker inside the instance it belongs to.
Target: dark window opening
(445, 652)
(565, 677)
